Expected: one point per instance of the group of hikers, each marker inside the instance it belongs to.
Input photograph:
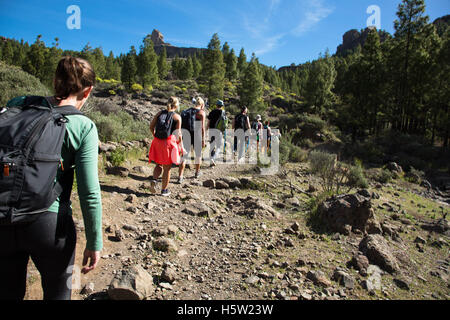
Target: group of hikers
(46, 141)
(176, 135)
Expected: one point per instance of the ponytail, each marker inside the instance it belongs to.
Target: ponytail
(72, 76)
(173, 103)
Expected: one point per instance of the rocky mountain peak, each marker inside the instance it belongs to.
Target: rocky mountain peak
(158, 38)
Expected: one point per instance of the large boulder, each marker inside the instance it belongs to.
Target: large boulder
(252, 207)
(354, 210)
(118, 171)
(132, 284)
(197, 210)
(378, 251)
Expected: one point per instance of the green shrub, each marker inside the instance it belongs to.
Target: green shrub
(355, 176)
(15, 82)
(289, 152)
(297, 154)
(415, 176)
(117, 157)
(335, 175)
(137, 88)
(119, 127)
(306, 143)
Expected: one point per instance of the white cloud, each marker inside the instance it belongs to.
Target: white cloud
(271, 44)
(267, 31)
(316, 12)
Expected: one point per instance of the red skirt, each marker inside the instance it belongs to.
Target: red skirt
(165, 152)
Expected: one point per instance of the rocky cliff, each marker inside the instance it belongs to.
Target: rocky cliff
(354, 38)
(172, 51)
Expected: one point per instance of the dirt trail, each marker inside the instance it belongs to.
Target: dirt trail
(227, 255)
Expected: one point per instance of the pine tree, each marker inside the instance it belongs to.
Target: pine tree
(187, 69)
(177, 66)
(129, 69)
(163, 67)
(231, 65)
(242, 62)
(36, 59)
(320, 83)
(147, 63)
(213, 71)
(367, 86)
(98, 62)
(112, 68)
(197, 66)
(250, 89)
(8, 52)
(410, 24)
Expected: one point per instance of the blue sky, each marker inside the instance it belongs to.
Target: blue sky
(280, 32)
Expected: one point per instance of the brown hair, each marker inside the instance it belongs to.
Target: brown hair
(72, 75)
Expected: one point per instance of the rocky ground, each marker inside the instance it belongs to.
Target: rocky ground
(235, 234)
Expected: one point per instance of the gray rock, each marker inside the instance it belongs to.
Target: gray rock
(351, 209)
(143, 170)
(160, 232)
(318, 278)
(165, 245)
(393, 166)
(402, 284)
(420, 240)
(343, 278)
(133, 284)
(305, 296)
(88, 288)
(360, 263)
(232, 182)
(172, 229)
(118, 171)
(374, 281)
(169, 275)
(166, 285)
(222, 185)
(378, 251)
(209, 183)
(106, 147)
(197, 210)
(131, 198)
(252, 280)
(119, 235)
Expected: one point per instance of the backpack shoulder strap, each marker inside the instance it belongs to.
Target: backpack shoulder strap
(68, 110)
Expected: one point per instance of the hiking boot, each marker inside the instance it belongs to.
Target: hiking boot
(153, 186)
(198, 174)
(166, 193)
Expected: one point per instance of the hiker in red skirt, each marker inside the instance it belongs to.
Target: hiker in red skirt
(166, 148)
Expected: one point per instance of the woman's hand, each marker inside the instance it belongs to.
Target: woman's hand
(91, 257)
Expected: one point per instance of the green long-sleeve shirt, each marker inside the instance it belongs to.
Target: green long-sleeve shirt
(80, 151)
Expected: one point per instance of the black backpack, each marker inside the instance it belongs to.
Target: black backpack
(163, 128)
(188, 118)
(31, 137)
(241, 122)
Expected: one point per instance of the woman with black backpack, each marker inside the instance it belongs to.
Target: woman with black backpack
(49, 236)
(166, 148)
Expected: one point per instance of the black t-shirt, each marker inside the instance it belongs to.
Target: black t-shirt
(213, 117)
